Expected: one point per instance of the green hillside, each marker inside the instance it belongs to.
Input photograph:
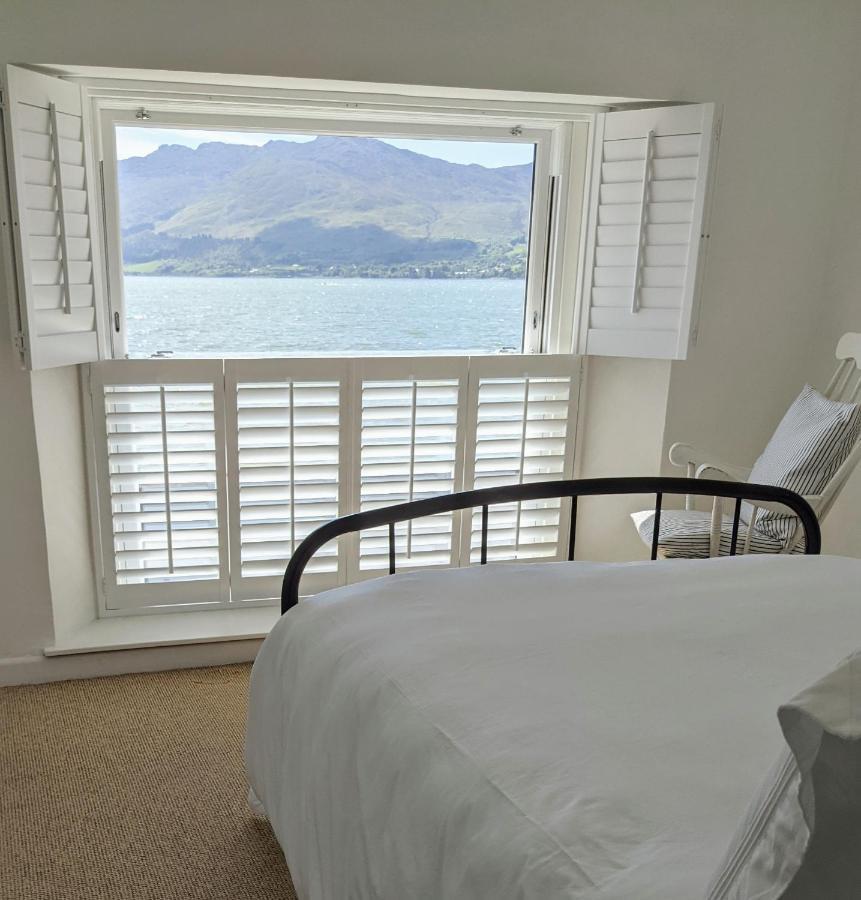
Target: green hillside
(331, 206)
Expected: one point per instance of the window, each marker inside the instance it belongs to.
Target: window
(247, 235)
(383, 250)
(610, 265)
(249, 244)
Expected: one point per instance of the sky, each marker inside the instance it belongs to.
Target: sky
(140, 141)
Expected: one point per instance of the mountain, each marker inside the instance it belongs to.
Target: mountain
(333, 206)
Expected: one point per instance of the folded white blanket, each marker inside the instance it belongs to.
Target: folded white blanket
(801, 836)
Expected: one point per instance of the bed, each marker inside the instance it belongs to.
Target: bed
(567, 729)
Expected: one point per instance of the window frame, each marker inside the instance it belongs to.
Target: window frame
(558, 191)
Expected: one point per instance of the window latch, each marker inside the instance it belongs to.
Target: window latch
(117, 322)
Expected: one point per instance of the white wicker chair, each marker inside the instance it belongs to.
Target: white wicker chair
(844, 386)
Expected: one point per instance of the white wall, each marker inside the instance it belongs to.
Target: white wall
(842, 313)
(58, 417)
(783, 70)
(25, 600)
(765, 303)
(621, 433)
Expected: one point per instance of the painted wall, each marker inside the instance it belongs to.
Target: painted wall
(842, 529)
(58, 417)
(783, 70)
(621, 433)
(25, 600)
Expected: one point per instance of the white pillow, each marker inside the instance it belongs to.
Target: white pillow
(800, 837)
(809, 445)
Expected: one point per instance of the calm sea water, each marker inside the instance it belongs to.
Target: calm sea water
(307, 316)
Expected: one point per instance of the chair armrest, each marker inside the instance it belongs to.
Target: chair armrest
(697, 462)
(734, 473)
(682, 454)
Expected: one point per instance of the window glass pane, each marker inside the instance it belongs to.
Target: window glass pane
(245, 244)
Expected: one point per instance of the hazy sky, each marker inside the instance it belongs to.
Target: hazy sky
(136, 141)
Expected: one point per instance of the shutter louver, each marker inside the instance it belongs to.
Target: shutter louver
(409, 451)
(57, 251)
(648, 207)
(163, 487)
(522, 435)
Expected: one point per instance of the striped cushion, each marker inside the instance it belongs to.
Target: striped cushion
(686, 534)
(813, 439)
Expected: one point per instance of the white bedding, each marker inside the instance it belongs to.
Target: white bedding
(570, 730)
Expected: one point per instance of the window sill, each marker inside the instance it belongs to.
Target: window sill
(167, 629)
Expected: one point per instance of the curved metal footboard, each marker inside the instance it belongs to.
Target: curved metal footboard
(589, 487)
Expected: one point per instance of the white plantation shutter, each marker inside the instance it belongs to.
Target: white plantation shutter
(209, 473)
(523, 427)
(161, 482)
(410, 448)
(647, 212)
(285, 479)
(56, 236)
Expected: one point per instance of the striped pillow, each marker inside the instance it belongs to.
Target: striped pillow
(813, 439)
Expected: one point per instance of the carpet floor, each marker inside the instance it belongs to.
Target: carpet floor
(132, 788)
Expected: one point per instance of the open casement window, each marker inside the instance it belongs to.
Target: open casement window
(53, 214)
(647, 232)
(336, 223)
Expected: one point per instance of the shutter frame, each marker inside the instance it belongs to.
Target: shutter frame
(395, 374)
(255, 374)
(489, 372)
(664, 291)
(137, 595)
(59, 326)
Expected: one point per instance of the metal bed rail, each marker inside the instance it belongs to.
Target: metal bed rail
(541, 490)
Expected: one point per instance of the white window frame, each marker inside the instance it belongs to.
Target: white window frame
(561, 135)
(559, 179)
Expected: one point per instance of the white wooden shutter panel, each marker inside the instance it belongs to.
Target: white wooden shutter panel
(523, 427)
(410, 449)
(57, 249)
(160, 434)
(209, 473)
(285, 476)
(645, 244)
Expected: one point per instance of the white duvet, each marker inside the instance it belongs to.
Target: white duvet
(571, 730)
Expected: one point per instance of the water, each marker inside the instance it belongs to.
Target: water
(308, 316)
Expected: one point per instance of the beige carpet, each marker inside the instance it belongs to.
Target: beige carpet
(132, 787)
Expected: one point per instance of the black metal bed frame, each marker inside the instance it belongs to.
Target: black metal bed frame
(542, 490)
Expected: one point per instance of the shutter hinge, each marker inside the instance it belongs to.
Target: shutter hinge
(20, 344)
(3, 100)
